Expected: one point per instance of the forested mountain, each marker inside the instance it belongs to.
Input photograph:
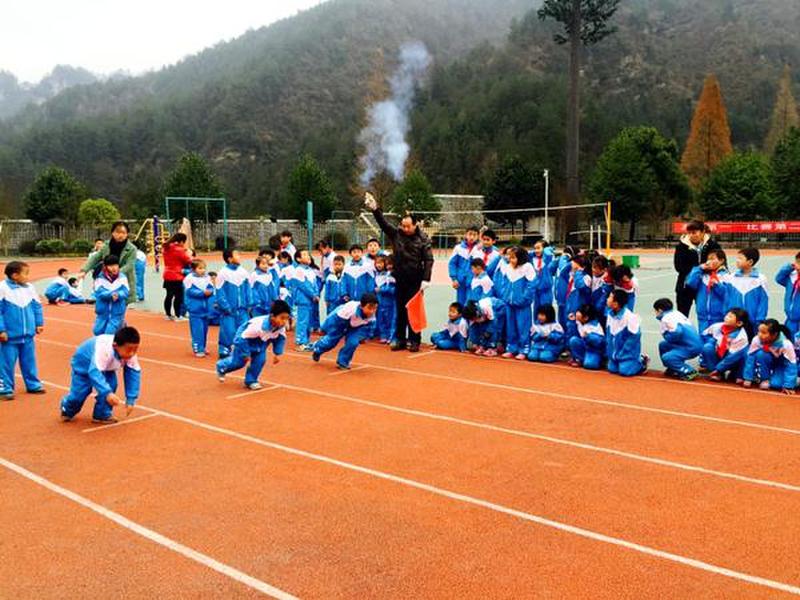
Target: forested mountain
(15, 95)
(302, 85)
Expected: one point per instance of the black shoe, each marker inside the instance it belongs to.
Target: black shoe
(398, 346)
(108, 421)
(39, 391)
(413, 348)
(316, 356)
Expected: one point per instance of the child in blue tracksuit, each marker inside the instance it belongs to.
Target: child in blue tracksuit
(213, 308)
(316, 317)
(725, 348)
(263, 291)
(588, 347)
(305, 292)
(454, 335)
(286, 268)
(386, 286)
(625, 280)
(547, 336)
(353, 322)
(251, 342)
(94, 367)
(21, 319)
(486, 320)
(771, 359)
(578, 293)
(359, 275)
(111, 292)
(623, 337)
(233, 299)
(518, 293)
(487, 252)
(789, 278)
(709, 282)
(681, 341)
(540, 257)
(602, 284)
(459, 266)
(481, 286)
(561, 270)
(198, 290)
(748, 288)
(141, 267)
(58, 290)
(334, 286)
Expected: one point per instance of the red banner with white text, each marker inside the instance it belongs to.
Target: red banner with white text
(753, 227)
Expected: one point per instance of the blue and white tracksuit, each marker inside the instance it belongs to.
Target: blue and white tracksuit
(285, 277)
(561, 270)
(110, 313)
(490, 257)
(20, 315)
(480, 287)
(306, 298)
(547, 342)
(315, 311)
(789, 278)
(75, 295)
(197, 305)
(349, 323)
(624, 343)
(681, 342)
(94, 366)
(453, 336)
(500, 278)
(632, 290)
(334, 292)
(518, 296)
(213, 309)
(263, 292)
(250, 345)
(589, 347)
(486, 331)
(601, 290)
(141, 267)
(579, 292)
(544, 279)
(359, 279)
(750, 293)
(709, 299)
(326, 262)
(57, 291)
(734, 354)
(233, 302)
(776, 363)
(387, 305)
(291, 249)
(459, 270)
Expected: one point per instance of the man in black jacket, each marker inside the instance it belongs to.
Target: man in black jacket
(690, 252)
(413, 264)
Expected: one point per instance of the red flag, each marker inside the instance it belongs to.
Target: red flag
(416, 312)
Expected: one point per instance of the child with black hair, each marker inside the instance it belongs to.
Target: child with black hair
(487, 252)
(455, 332)
(481, 286)
(710, 286)
(540, 257)
(547, 336)
(624, 337)
(459, 267)
(74, 293)
(681, 341)
(306, 299)
(486, 319)
(624, 279)
(579, 292)
(198, 290)
(353, 322)
(359, 275)
(386, 288)
(213, 308)
(748, 288)
(588, 347)
(789, 278)
(518, 293)
(58, 290)
(21, 320)
(251, 342)
(334, 286)
(233, 299)
(286, 243)
(111, 291)
(771, 359)
(94, 367)
(373, 251)
(263, 288)
(602, 284)
(725, 349)
(561, 270)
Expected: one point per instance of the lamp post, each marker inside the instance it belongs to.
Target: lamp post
(546, 205)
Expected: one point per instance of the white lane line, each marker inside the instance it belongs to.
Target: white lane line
(153, 536)
(120, 423)
(252, 392)
(421, 354)
(347, 371)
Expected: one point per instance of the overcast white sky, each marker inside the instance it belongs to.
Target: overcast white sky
(138, 35)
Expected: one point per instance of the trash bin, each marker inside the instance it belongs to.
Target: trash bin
(631, 261)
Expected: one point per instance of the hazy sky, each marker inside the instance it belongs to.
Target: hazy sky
(105, 36)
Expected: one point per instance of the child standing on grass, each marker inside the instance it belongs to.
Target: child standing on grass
(454, 335)
(459, 265)
(547, 336)
(334, 286)
(111, 292)
(725, 350)
(519, 293)
(94, 367)
(233, 299)
(21, 319)
(486, 320)
(789, 278)
(588, 347)
(199, 290)
(263, 290)
(353, 322)
(771, 359)
(306, 299)
(748, 288)
(623, 337)
(681, 341)
(251, 343)
(386, 287)
(58, 290)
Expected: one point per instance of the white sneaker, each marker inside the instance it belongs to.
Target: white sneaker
(181, 319)
(764, 385)
(169, 318)
(255, 386)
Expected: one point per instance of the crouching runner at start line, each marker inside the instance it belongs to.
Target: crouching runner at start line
(95, 365)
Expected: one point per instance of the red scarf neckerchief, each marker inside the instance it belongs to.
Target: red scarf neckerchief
(109, 276)
(724, 343)
(713, 279)
(607, 278)
(570, 284)
(626, 285)
(539, 264)
(487, 252)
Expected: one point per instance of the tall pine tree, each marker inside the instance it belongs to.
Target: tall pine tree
(710, 137)
(784, 115)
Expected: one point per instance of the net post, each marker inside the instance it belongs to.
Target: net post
(310, 225)
(608, 228)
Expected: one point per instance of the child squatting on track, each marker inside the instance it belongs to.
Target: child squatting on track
(353, 321)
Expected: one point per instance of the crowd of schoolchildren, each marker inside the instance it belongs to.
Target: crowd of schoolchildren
(580, 306)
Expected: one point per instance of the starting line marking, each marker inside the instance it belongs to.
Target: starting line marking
(120, 423)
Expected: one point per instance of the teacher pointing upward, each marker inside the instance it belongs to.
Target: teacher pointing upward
(413, 264)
